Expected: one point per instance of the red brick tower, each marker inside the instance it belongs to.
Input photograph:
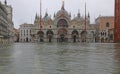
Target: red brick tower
(117, 21)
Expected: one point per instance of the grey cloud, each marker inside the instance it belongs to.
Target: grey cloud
(25, 10)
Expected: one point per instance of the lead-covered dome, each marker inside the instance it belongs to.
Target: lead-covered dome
(46, 17)
(62, 12)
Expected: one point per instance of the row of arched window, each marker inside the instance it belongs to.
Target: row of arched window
(103, 34)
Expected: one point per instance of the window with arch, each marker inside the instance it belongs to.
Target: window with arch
(62, 23)
(107, 24)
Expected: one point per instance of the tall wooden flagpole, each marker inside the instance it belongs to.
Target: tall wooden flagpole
(63, 14)
(85, 16)
(40, 15)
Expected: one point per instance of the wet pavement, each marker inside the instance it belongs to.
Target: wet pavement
(57, 58)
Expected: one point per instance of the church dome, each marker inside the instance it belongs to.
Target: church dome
(78, 18)
(62, 12)
(46, 17)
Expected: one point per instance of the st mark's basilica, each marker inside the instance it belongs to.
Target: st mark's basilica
(62, 28)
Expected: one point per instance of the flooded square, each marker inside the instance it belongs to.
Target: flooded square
(57, 58)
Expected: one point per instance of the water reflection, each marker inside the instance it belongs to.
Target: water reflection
(5, 59)
(117, 58)
(55, 58)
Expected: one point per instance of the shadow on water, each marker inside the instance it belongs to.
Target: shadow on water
(117, 58)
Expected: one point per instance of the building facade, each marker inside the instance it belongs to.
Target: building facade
(106, 28)
(16, 35)
(6, 24)
(25, 32)
(117, 21)
(3, 24)
(10, 22)
(59, 29)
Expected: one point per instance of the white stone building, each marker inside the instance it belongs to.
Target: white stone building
(25, 32)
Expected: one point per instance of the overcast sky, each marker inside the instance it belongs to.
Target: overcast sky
(24, 11)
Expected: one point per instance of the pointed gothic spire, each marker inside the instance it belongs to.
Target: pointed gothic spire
(54, 15)
(63, 5)
(88, 15)
(78, 13)
(5, 2)
(36, 16)
(46, 14)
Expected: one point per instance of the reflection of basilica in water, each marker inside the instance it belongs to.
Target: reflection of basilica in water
(59, 29)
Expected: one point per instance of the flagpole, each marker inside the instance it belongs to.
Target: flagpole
(85, 21)
(85, 16)
(40, 14)
(62, 14)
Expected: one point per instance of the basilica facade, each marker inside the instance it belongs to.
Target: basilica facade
(62, 28)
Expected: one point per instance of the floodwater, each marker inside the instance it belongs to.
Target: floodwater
(60, 58)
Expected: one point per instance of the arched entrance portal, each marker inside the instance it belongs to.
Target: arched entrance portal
(62, 33)
(27, 39)
(75, 35)
(102, 40)
(49, 34)
(83, 36)
(41, 36)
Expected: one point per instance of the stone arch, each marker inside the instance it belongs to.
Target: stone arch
(75, 35)
(83, 36)
(106, 39)
(62, 33)
(41, 36)
(49, 34)
(27, 39)
(92, 33)
(102, 39)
